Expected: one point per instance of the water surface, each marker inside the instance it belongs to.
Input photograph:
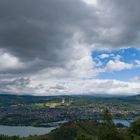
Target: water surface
(24, 131)
(123, 121)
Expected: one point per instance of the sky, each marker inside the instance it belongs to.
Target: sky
(70, 47)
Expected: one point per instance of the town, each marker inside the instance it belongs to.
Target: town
(63, 109)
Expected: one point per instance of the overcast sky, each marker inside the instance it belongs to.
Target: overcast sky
(60, 47)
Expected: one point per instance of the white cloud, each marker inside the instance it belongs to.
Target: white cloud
(102, 56)
(81, 63)
(116, 65)
(135, 79)
(137, 63)
(79, 86)
(8, 61)
(117, 57)
(91, 2)
(43, 84)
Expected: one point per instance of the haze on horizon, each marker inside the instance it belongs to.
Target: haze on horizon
(59, 47)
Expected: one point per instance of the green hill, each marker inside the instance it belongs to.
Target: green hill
(71, 130)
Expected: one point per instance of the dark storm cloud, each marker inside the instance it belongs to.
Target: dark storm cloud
(122, 22)
(35, 31)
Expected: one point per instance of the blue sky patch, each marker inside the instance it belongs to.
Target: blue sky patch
(129, 55)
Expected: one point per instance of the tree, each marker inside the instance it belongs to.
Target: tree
(65, 133)
(107, 130)
(83, 137)
(107, 117)
(133, 132)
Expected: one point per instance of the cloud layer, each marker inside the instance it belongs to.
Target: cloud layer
(51, 42)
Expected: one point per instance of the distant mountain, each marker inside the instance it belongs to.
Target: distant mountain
(7, 100)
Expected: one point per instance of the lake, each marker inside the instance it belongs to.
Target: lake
(24, 131)
(124, 122)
